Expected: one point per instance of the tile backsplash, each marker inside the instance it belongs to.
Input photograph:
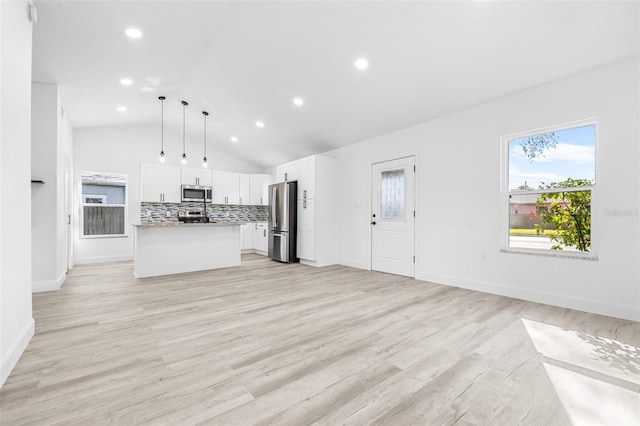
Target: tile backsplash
(168, 212)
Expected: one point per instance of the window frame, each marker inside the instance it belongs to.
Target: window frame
(505, 193)
(82, 204)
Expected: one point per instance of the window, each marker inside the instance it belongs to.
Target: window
(550, 184)
(104, 204)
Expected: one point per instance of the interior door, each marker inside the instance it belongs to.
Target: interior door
(67, 217)
(393, 217)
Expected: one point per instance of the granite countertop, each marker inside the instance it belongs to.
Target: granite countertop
(169, 224)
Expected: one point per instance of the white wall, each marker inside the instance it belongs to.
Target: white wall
(16, 322)
(51, 148)
(459, 203)
(121, 149)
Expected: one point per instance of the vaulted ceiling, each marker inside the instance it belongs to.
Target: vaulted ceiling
(245, 61)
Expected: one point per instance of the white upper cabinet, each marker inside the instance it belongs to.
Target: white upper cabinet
(159, 184)
(259, 189)
(226, 188)
(307, 177)
(244, 189)
(162, 184)
(287, 172)
(197, 177)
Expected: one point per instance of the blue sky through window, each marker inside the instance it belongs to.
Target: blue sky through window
(573, 157)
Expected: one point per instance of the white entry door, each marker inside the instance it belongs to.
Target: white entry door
(393, 217)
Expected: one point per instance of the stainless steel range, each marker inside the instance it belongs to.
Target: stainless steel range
(190, 217)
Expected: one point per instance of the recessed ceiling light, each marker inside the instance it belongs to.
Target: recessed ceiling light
(234, 139)
(133, 33)
(362, 64)
(126, 82)
(298, 102)
(122, 108)
(259, 124)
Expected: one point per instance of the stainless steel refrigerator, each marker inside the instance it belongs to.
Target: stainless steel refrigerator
(282, 221)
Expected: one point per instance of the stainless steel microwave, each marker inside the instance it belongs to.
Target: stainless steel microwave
(196, 194)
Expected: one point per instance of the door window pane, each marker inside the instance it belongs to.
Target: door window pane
(392, 195)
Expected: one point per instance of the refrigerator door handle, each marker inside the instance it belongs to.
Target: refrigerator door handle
(274, 204)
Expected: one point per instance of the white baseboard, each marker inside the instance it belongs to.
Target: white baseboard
(315, 263)
(253, 251)
(354, 264)
(48, 285)
(617, 310)
(10, 359)
(102, 259)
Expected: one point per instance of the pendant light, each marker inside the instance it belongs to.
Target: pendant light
(204, 160)
(162, 98)
(184, 155)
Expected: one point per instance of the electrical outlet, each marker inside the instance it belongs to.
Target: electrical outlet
(167, 214)
(226, 214)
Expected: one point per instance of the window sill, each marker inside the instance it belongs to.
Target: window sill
(552, 253)
(91, 237)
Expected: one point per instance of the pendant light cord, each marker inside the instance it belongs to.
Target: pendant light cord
(161, 98)
(205, 113)
(184, 105)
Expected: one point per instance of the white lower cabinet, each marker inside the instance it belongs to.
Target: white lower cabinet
(305, 228)
(254, 237)
(262, 238)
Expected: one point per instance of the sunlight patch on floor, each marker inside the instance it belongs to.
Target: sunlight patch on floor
(597, 379)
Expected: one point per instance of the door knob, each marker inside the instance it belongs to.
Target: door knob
(373, 223)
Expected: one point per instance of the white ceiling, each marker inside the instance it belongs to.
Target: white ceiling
(245, 61)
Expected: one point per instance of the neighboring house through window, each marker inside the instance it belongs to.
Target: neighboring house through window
(104, 204)
(550, 184)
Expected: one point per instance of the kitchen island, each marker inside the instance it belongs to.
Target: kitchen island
(175, 247)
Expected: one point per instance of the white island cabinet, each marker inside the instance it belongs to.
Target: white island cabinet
(174, 248)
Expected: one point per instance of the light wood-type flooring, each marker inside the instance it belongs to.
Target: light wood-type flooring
(273, 344)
